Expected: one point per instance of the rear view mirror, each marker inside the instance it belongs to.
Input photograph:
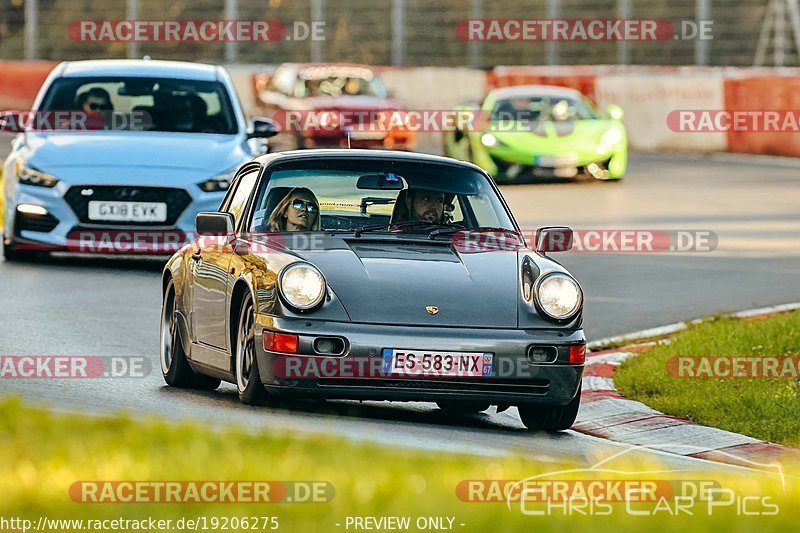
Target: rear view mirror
(385, 181)
(214, 223)
(133, 87)
(554, 239)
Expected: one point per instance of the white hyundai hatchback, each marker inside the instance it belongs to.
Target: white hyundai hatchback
(170, 137)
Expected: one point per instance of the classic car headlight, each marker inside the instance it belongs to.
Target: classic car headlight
(30, 175)
(559, 296)
(302, 286)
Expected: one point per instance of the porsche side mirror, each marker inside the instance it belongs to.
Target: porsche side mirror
(214, 223)
(554, 239)
(614, 112)
(262, 128)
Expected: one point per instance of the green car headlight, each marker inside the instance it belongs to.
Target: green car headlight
(490, 141)
(30, 175)
(611, 137)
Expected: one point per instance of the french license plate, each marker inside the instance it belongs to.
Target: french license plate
(128, 211)
(427, 363)
(556, 162)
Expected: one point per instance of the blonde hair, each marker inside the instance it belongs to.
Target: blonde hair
(277, 219)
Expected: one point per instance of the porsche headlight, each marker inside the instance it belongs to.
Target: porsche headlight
(559, 296)
(33, 176)
(302, 286)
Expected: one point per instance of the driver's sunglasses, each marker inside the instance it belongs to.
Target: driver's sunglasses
(311, 207)
(100, 107)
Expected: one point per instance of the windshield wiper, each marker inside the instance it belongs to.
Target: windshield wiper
(399, 225)
(453, 229)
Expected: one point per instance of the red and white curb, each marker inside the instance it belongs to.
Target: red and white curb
(605, 413)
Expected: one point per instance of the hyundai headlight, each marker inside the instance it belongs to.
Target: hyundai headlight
(33, 176)
(559, 296)
(302, 286)
(220, 182)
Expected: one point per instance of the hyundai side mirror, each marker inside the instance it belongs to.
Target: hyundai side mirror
(263, 128)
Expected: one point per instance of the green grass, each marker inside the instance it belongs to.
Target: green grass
(44, 454)
(767, 409)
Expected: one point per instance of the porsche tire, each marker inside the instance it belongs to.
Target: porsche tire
(550, 417)
(248, 380)
(174, 366)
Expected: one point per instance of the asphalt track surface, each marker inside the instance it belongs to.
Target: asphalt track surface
(77, 306)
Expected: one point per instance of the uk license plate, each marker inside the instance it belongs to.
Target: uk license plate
(399, 362)
(128, 211)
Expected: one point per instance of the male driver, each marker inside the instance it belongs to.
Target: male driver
(425, 205)
(94, 100)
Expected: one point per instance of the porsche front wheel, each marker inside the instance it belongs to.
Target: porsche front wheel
(248, 379)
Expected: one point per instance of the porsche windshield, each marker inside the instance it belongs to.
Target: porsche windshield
(376, 195)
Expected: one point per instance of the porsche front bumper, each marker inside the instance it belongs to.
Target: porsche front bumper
(515, 379)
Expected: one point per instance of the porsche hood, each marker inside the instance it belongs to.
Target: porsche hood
(425, 283)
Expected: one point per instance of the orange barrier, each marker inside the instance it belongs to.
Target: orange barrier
(579, 78)
(20, 81)
(763, 93)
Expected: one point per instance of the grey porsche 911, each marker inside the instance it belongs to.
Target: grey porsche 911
(375, 275)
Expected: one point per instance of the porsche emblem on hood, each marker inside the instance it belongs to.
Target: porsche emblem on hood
(432, 310)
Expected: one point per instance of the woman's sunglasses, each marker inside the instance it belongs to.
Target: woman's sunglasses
(311, 207)
(99, 107)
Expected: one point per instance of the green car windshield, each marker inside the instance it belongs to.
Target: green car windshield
(538, 108)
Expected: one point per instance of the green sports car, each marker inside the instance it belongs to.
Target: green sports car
(539, 131)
